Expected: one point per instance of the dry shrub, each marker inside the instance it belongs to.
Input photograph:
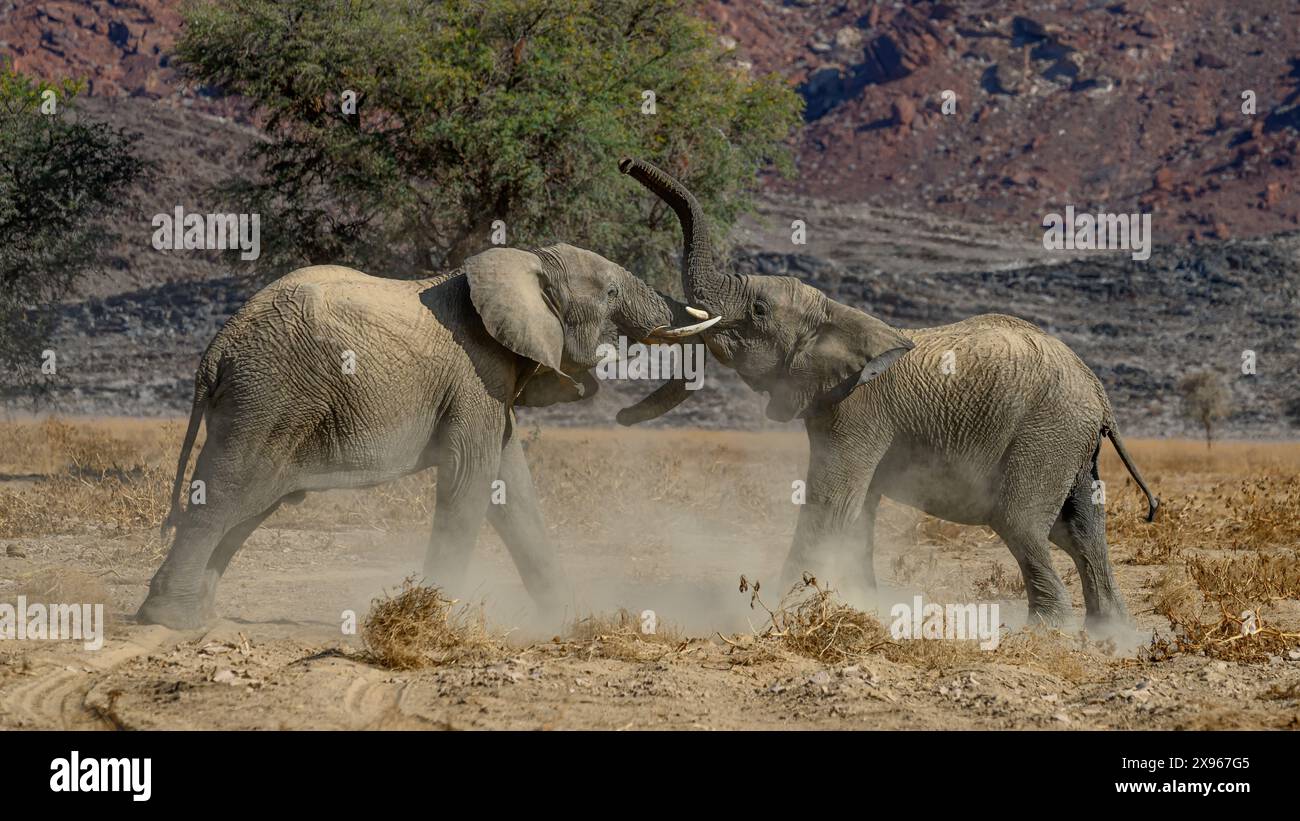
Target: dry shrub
(67, 504)
(1253, 578)
(1210, 614)
(1000, 583)
(419, 627)
(811, 621)
(1181, 521)
(619, 636)
(1050, 651)
(1254, 513)
(1262, 513)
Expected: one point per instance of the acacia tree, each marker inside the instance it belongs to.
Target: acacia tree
(1206, 400)
(472, 111)
(59, 177)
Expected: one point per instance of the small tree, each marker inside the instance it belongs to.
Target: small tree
(1206, 400)
(58, 179)
(401, 131)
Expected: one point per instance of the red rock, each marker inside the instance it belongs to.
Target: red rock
(904, 111)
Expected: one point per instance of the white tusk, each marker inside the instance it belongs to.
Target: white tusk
(684, 331)
(697, 313)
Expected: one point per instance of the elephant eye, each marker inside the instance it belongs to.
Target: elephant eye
(760, 309)
(612, 291)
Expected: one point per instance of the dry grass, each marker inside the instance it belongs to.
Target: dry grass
(1240, 496)
(811, 621)
(61, 585)
(1219, 607)
(75, 477)
(1228, 527)
(620, 635)
(419, 627)
(1000, 583)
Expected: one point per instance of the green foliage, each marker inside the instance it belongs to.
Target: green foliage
(470, 111)
(58, 179)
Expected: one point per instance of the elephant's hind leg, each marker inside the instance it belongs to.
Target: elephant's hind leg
(1081, 532)
(1029, 504)
(220, 560)
(1048, 601)
(176, 592)
(239, 485)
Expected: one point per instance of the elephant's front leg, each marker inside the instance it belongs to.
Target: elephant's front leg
(468, 461)
(517, 518)
(869, 508)
(826, 543)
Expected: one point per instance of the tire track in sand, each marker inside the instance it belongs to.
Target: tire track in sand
(50, 691)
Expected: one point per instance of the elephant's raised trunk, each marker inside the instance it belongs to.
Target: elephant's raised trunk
(701, 281)
(699, 270)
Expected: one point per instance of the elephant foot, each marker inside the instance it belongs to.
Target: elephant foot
(170, 612)
(208, 602)
(1052, 618)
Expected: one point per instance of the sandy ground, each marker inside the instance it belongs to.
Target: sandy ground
(663, 520)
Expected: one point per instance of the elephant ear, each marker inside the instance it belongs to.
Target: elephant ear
(847, 348)
(505, 285)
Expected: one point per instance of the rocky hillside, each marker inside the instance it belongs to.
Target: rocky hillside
(1124, 105)
(1141, 327)
(1117, 105)
(919, 217)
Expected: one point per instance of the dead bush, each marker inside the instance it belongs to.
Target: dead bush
(811, 621)
(420, 627)
(1217, 609)
(621, 635)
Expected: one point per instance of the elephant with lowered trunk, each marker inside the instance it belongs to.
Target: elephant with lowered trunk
(329, 378)
(987, 421)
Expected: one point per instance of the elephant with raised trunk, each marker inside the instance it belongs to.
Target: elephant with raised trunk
(329, 378)
(988, 421)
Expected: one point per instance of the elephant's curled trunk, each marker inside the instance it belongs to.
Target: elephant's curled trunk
(698, 266)
(664, 398)
(701, 281)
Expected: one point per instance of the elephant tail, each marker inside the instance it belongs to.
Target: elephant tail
(1153, 504)
(196, 416)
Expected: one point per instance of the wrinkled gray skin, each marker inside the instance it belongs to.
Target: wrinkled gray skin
(1008, 438)
(439, 365)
